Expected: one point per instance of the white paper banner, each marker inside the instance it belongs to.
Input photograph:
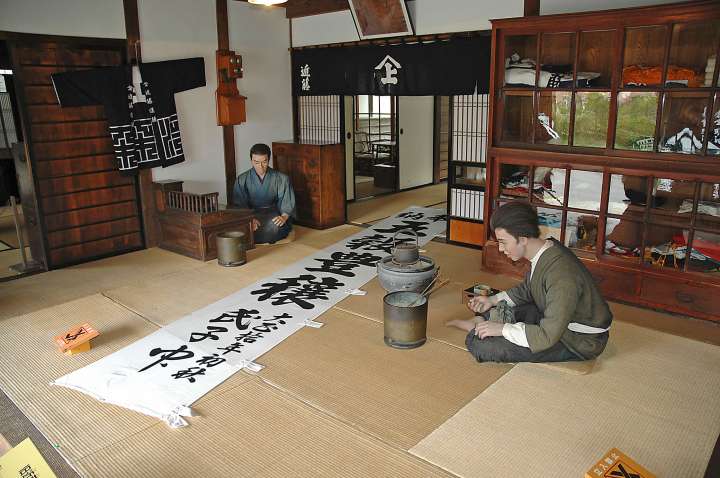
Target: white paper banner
(164, 373)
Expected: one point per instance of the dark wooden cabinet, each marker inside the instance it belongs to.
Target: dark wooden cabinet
(317, 174)
(609, 123)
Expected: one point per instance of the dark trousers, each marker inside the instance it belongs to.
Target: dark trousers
(267, 231)
(499, 349)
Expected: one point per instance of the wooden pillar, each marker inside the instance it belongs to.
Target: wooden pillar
(151, 224)
(228, 131)
(532, 8)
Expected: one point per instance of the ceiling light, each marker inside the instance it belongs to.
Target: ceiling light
(267, 2)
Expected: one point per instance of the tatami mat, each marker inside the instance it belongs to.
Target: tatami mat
(176, 295)
(346, 369)
(75, 423)
(254, 430)
(55, 287)
(366, 211)
(652, 395)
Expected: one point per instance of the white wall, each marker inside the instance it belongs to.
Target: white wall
(262, 36)
(435, 16)
(173, 29)
(85, 18)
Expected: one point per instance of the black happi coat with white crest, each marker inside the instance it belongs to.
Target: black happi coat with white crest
(145, 133)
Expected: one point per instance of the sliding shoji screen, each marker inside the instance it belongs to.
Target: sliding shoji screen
(319, 119)
(466, 186)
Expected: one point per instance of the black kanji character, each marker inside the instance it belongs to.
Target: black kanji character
(181, 353)
(189, 373)
(27, 472)
(375, 242)
(412, 215)
(210, 360)
(249, 337)
(342, 263)
(212, 331)
(439, 217)
(237, 317)
(292, 290)
(233, 347)
(416, 226)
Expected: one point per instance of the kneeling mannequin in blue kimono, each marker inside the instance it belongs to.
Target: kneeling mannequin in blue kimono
(269, 194)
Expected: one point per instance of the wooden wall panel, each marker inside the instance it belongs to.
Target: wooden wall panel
(78, 235)
(72, 148)
(80, 252)
(80, 165)
(65, 131)
(91, 215)
(82, 182)
(96, 197)
(49, 113)
(88, 209)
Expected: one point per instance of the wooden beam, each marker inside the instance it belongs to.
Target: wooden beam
(221, 13)
(151, 223)
(305, 8)
(532, 8)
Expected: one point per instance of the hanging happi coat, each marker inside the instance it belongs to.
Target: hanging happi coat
(139, 104)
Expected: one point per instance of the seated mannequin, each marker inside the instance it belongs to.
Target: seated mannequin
(269, 194)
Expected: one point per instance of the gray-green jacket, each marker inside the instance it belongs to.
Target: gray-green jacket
(564, 291)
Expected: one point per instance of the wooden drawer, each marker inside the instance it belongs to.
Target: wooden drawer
(615, 283)
(681, 296)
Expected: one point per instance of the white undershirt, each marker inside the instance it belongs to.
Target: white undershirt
(515, 333)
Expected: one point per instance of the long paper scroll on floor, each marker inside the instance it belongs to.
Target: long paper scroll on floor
(164, 373)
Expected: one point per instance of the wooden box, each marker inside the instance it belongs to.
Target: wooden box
(189, 226)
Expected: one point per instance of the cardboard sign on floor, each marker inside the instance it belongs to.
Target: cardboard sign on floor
(617, 464)
(24, 461)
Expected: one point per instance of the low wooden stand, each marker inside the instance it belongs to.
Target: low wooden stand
(190, 223)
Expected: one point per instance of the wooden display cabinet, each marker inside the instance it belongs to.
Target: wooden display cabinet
(317, 174)
(609, 123)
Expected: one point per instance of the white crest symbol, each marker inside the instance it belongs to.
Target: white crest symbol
(391, 65)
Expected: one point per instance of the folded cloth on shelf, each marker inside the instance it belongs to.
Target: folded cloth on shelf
(526, 77)
(640, 75)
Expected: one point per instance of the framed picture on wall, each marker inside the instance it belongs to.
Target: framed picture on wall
(381, 18)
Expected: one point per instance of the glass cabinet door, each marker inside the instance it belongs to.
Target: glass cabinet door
(627, 201)
(596, 59)
(552, 122)
(644, 56)
(517, 125)
(592, 110)
(636, 117)
(682, 128)
(713, 146)
(557, 60)
(520, 60)
(693, 52)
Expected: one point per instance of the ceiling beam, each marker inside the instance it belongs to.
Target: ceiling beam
(306, 8)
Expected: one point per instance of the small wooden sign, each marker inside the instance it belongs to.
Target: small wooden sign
(75, 337)
(616, 464)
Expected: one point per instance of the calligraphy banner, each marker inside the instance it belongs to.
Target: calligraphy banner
(164, 373)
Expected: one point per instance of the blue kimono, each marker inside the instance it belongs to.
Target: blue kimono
(268, 197)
